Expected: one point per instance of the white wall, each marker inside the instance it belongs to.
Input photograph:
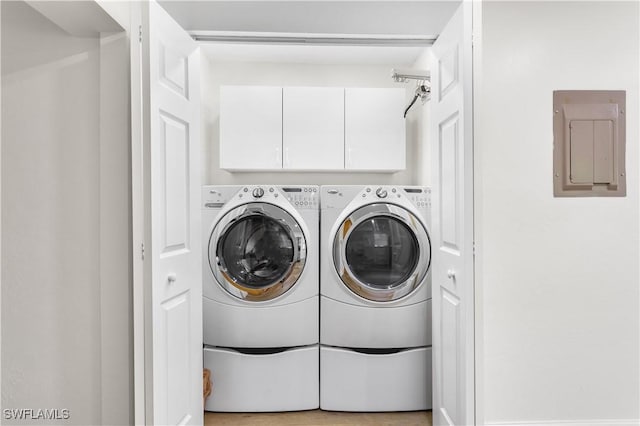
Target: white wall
(65, 198)
(418, 127)
(559, 276)
(290, 74)
(116, 304)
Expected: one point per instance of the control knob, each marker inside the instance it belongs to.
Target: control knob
(381, 193)
(258, 192)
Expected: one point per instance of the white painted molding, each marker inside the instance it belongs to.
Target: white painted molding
(313, 38)
(610, 422)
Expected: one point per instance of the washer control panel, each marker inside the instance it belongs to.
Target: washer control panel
(302, 197)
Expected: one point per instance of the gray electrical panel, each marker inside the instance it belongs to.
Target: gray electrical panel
(589, 143)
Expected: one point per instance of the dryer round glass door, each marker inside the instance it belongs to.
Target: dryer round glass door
(257, 252)
(382, 252)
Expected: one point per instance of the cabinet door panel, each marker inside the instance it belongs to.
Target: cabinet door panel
(374, 129)
(250, 127)
(313, 128)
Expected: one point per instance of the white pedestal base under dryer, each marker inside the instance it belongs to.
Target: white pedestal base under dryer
(374, 326)
(243, 382)
(356, 381)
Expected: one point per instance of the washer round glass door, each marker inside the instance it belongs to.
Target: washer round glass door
(382, 252)
(257, 251)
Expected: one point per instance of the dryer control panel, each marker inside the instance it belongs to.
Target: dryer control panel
(421, 197)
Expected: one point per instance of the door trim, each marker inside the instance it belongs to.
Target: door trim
(137, 216)
(138, 222)
(478, 237)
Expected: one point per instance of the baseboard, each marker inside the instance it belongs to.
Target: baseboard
(616, 422)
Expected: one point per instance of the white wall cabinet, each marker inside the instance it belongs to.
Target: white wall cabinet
(374, 129)
(313, 128)
(250, 127)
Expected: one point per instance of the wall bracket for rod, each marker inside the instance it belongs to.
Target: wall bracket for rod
(423, 91)
(423, 87)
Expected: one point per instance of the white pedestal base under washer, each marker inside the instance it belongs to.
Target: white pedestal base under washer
(261, 296)
(375, 304)
(255, 382)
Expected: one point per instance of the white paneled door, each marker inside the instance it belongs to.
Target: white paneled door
(452, 158)
(172, 258)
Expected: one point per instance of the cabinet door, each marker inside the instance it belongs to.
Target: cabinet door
(313, 128)
(374, 129)
(250, 127)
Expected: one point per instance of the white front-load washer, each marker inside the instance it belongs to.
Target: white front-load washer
(261, 296)
(375, 304)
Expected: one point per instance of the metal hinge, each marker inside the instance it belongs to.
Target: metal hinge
(140, 33)
(142, 251)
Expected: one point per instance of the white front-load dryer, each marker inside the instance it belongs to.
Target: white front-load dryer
(261, 297)
(375, 266)
(375, 305)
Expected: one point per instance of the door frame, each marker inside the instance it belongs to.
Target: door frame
(478, 347)
(140, 223)
(0, 201)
